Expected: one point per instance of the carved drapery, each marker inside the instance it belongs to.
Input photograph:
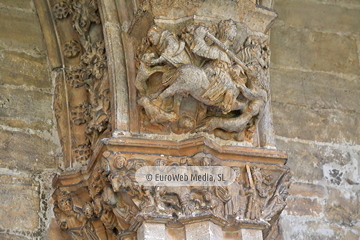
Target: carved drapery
(170, 83)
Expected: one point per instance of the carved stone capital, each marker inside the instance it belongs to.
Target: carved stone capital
(108, 192)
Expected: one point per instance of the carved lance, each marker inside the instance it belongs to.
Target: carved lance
(250, 205)
(250, 178)
(229, 53)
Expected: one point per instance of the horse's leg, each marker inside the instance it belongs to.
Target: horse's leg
(238, 105)
(177, 103)
(169, 92)
(143, 75)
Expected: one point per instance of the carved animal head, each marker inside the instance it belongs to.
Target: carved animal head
(116, 181)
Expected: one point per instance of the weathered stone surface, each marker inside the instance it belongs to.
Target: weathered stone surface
(251, 234)
(304, 49)
(306, 160)
(5, 236)
(54, 232)
(25, 151)
(307, 190)
(317, 16)
(346, 3)
(22, 69)
(322, 125)
(309, 230)
(15, 25)
(315, 90)
(342, 207)
(303, 207)
(151, 231)
(203, 230)
(19, 202)
(21, 4)
(175, 233)
(26, 109)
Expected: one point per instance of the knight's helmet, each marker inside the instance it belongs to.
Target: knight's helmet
(227, 30)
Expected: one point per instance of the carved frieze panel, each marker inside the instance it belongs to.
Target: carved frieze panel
(200, 82)
(111, 204)
(82, 96)
(198, 74)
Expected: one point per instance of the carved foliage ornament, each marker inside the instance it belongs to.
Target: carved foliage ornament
(87, 84)
(113, 204)
(200, 80)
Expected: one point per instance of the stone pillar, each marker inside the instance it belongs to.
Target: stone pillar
(251, 234)
(151, 231)
(206, 230)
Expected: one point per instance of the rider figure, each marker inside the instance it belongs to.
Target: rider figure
(170, 49)
(220, 67)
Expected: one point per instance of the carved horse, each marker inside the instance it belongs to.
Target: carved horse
(201, 83)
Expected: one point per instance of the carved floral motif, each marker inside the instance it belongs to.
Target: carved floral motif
(71, 49)
(75, 78)
(81, 114)
(86, 77)
(61, 10)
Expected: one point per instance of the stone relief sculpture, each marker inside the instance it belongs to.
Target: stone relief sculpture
(198, 79)
(87, 90)
(225, 89)
(119, 204)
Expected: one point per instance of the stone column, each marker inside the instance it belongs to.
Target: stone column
(151, 231)
(205, 230)
(251, 234)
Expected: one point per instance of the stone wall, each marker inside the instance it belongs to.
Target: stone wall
(315, 76)
(28, 139)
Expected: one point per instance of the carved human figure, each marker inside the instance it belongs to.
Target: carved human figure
(259, 182)
(113, 216)
(93, 229)
(211, 85)
(214, 85)
(236, 206)
(254, 208)
(172, 50)
(147, 199)
(276, 204)
(212, 203)
(164, 205)
(215, 76)
(172, 53)
(254, 89)
(69, 218)
(278, 201)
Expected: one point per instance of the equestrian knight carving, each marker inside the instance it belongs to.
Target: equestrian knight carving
(199, 81)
